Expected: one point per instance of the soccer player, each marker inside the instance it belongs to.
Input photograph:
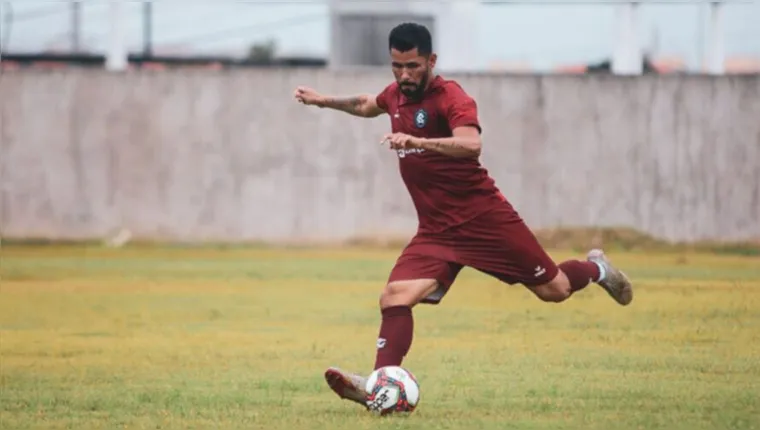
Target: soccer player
(464, 220)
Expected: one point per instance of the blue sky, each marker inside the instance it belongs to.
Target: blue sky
(543, 35)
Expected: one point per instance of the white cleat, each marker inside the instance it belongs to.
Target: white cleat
(615, 282)
(349, 386)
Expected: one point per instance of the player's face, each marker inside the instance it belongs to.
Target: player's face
(412, 71)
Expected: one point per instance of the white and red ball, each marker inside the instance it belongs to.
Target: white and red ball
(392, 389)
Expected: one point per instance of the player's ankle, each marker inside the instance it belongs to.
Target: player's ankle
(602, 271)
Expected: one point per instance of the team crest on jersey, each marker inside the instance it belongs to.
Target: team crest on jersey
(420, 118)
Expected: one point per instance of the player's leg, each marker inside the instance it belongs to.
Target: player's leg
(397, 323)
(416, 278)
(575, 275)
(396, 332)
(422, 274)
(559, 282)
(514, 255)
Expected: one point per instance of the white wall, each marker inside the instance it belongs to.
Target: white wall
(230, 156)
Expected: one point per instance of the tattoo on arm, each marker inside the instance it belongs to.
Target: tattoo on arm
(454, 146)
(443, 145)
(352, 105)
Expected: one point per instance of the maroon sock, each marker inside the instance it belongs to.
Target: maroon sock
(580, 273)
(395, 337)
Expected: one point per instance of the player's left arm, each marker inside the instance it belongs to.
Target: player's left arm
(465, 143)
(461, 113)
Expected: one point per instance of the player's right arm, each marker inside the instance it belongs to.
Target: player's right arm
(363, 105)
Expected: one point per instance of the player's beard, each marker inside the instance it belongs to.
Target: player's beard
(415, 91)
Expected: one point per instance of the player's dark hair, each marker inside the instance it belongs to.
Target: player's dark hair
(409, 35)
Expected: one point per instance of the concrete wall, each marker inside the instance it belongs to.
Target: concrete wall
(230, 156)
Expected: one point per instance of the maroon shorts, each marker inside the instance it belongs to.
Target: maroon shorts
(497, 243)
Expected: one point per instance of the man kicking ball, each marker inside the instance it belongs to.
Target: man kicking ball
(464, 220)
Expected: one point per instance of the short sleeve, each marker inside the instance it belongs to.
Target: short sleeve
(460, 109)
(382, 99)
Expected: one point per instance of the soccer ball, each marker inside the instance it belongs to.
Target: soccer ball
(392, 389)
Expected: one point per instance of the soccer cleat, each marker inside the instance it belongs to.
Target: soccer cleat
(615, 282)
(346, 385)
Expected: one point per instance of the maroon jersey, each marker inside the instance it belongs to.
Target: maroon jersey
(446, 191)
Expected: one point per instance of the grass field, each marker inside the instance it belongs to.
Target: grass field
(203, 338)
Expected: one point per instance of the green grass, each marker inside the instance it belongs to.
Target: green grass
(149, 337)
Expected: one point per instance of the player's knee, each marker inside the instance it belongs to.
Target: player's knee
(406, 293)
(553, 295)
(556, 291)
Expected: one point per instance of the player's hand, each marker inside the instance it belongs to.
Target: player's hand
(401, 141)
(307, 96)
